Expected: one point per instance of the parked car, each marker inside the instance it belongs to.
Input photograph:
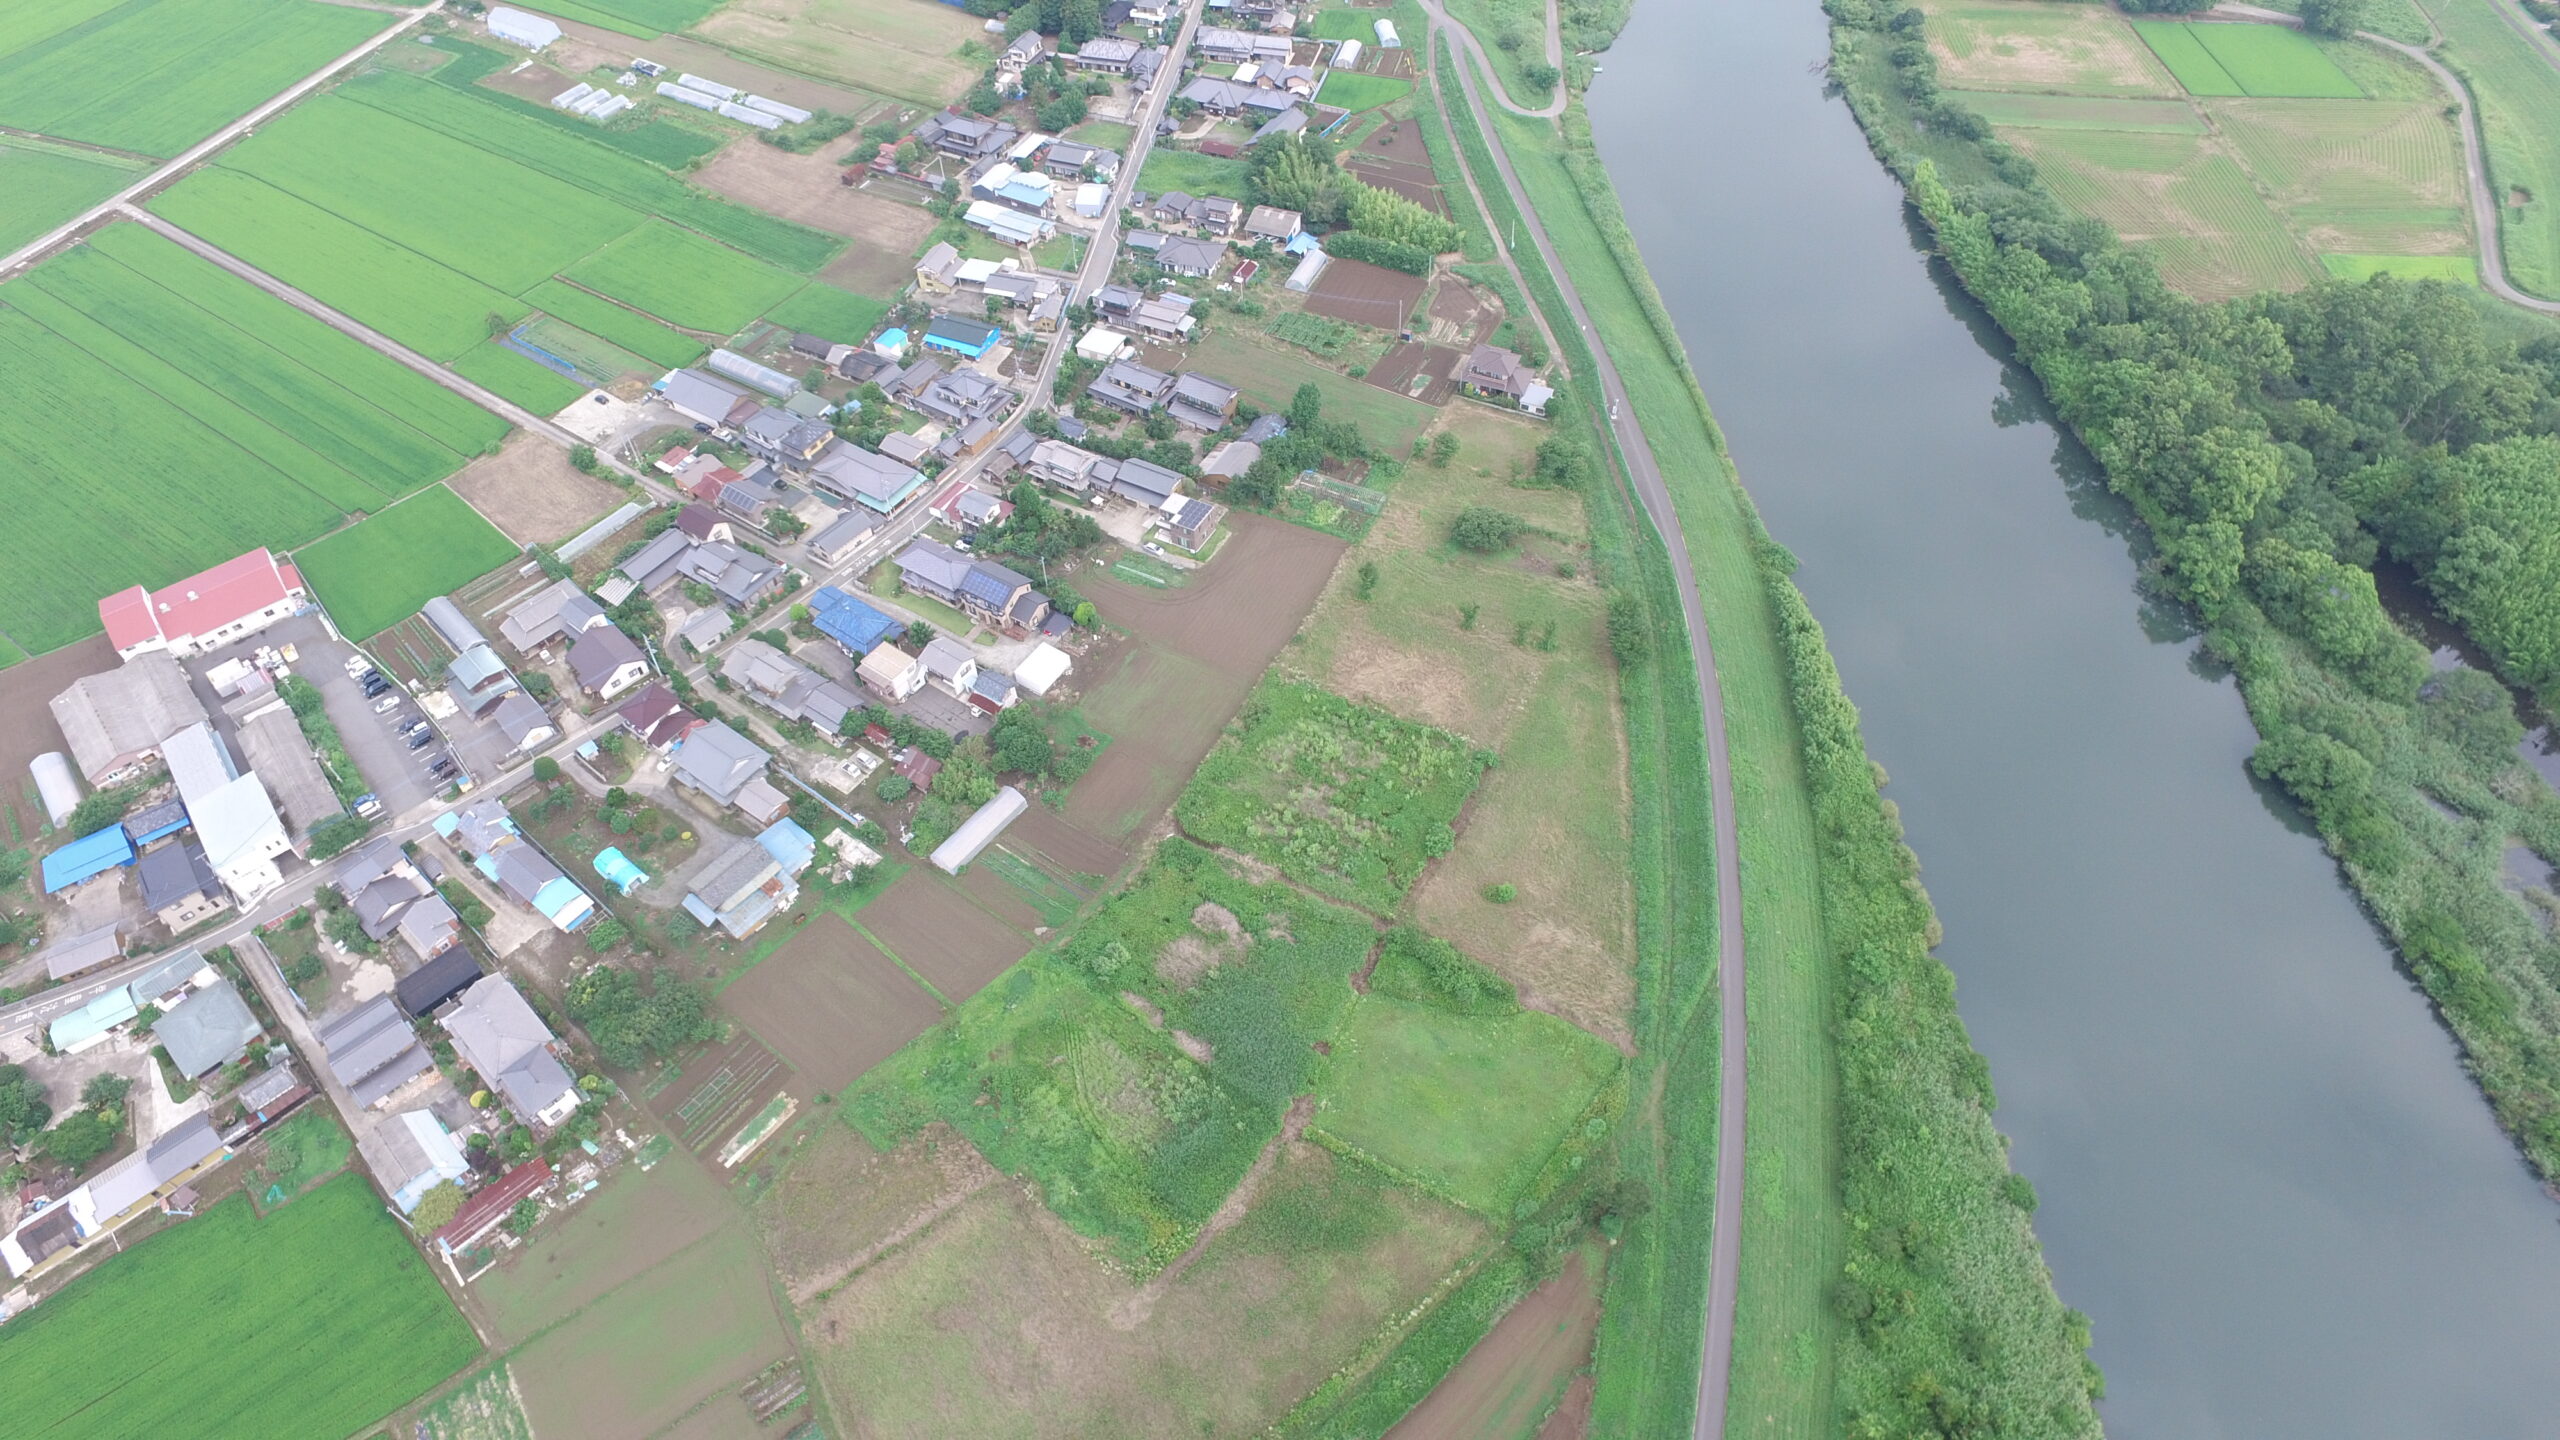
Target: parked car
(370, 675)
(386, 705)
(420, 742)
(368, 805)
(374, 688)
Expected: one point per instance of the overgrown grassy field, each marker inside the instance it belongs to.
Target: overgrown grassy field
(2355, 176)
(1342, 797)
(1269, 375)
(1171, 169)
(2266, 61)
(2182, 197)
(684, 279)
(2025, 45)
(136, 76)
(379, 572)
(2518, 91)
(47, 185)
(908, 48)
(2081, 112)
(154, 1342)
(300, 1153)
(2460, 269)
(1514, 34)
(839, 315)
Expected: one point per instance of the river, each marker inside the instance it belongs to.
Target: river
(2264, 1174)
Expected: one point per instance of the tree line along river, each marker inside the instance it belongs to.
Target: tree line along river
(2265, 1176)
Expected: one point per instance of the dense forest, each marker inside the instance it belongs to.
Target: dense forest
(2279, 448)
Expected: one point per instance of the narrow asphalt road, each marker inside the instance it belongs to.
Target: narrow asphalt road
(209, 144)
(1715, 1365)
(1466, 40)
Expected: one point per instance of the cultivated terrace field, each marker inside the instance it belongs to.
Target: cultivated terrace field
(2241, 157)
(312, 1322)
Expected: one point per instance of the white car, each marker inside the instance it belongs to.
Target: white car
(387, 704)
(1153, 548)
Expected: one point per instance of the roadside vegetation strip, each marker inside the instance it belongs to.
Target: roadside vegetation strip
(141, 77)
(501, 223)
(466, 114)
(2517, 92)
(153, 1343)
(619, 324)
(246, 315)
(433, 310)
(684, 279)
(378, 572)
(516, 376)
(140, 493)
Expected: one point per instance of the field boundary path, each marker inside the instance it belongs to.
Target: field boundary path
(2485, 219)
(1715, 1363)
(212, 142)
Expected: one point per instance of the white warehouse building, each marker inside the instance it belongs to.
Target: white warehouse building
(518, 28)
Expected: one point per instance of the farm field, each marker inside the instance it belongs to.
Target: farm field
(1342, 797)
(1270, 374)
(152, 1343)
(381, 570)
(684, 279)
(2265, 61)
(521, 378)
(485, 1408)
(144, 86)
(831, 1004)
(2518, 91)
(2081, 112)
(2460, 269)
(2022, 45)
(839, 315)
(2355, 176)
(1566, 938)
(606, 320)
(1356, 92)
(906, 48)
(1171, 169)
(47, 186)
(643, 18)
(2179, 197)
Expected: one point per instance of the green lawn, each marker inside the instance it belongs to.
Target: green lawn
(685, 279)
(308, 1324)
(155, 76)
(377, 573)
(2460, 269)
(1171, 169)
(1342, 24)
(1468, 1106)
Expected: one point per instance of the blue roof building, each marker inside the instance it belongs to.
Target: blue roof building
(91, 1023)
(95, 853)
(850, 623)
(618, 870)
(791, 847)
(972, 338)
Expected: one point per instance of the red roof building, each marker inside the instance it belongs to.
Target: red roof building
(487, 1210)
(918, 767)
(233, 600)
(673, 460)
(658, 717)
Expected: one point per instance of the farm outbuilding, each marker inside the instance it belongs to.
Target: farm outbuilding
(1387, 39)
(517, 28)
(979, 831)
(1347, 57)
(91, 855)
(1042, 668)
(55, 785)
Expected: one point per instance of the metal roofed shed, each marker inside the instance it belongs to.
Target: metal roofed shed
(92, 1022)
(91, 855)
(979, 831)
(517, 28)
(87, 951)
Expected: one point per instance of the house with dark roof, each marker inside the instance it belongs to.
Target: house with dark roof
(836, 541)
(1493, 371)
(1190, 523)
(607, 662)
(1130, 386)
(372, 1051)
(499, 1036)
(420, 992)
(1190, 255)
(1107, 54)
(557, 609)
(1145, 482)
(656, 718)
(965, 137)
(994, 595)
(179, 886)
(718, 762)
(1201, 402)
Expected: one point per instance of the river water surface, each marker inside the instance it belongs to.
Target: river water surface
(2264, 1174)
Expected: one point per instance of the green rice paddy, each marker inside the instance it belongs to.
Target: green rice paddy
(2267, 61)
(684, 279)
(839, 315)
(627, 328)
(377, 573)
(2460, 269)
(47, 185)
(527, 381)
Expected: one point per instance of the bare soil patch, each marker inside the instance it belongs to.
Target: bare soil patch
(537, 83)
(530, 491)
(1413, 180)
(809, 189)
(624, 1230)
(949, 940)
(1044, 832)
(27, 729)
(1366, 294)
(1398, 368)
(1512, 1374)
(599, 46)
(999, 897)
(840, 1205)
(831, 1004)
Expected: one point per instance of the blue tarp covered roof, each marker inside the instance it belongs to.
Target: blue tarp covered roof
(95, 853)
(850, 623)
(790, 846)
(618, 870)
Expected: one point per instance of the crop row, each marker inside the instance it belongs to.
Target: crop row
(158, 76)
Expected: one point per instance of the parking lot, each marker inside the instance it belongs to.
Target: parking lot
(393, 771)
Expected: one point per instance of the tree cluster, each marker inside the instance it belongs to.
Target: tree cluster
(630, 1023)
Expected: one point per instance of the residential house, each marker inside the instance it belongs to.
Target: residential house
(949, 666)
(965, 137)
(1018, 57)
(908, 448)
(1229, 459)
(206, 611)
(992, 691)
(855, 627)
(1012, 226)
(1145, 482)
(380, 883)
(234, 819)
(735, 575)
(146, 1174)
(836, 541)
(410, 1154)
(962, 396)
(726, 766)
(502, 855)
(1117, 300)
(557, 609)
(995, 595)
(372, 1051)
(1490, 370)
(607, 662)
(891, 673)
(179, 886)
(933, 270)
(1070, 159)
(916, 768)
(787, 687)
(1017, 289)
(976, 509)
(1108, 54)
(424, 990)
(778, 437)
(1188, 522)
(700, 398)
(960, 335)
(1130, 386)
(1165, 317)
(1289, 121)
(207, 1030)
(524, 722)
(476, 680)
(1201, 402)
(499, 1036)
(1188, 255)
(872, 481)
(738, 892)
(78, 954)
(1220, 45)
(656, 718)
(1101, 345)
(116, 719)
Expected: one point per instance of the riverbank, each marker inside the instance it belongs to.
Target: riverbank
(1838, 931)
(2411, 772)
